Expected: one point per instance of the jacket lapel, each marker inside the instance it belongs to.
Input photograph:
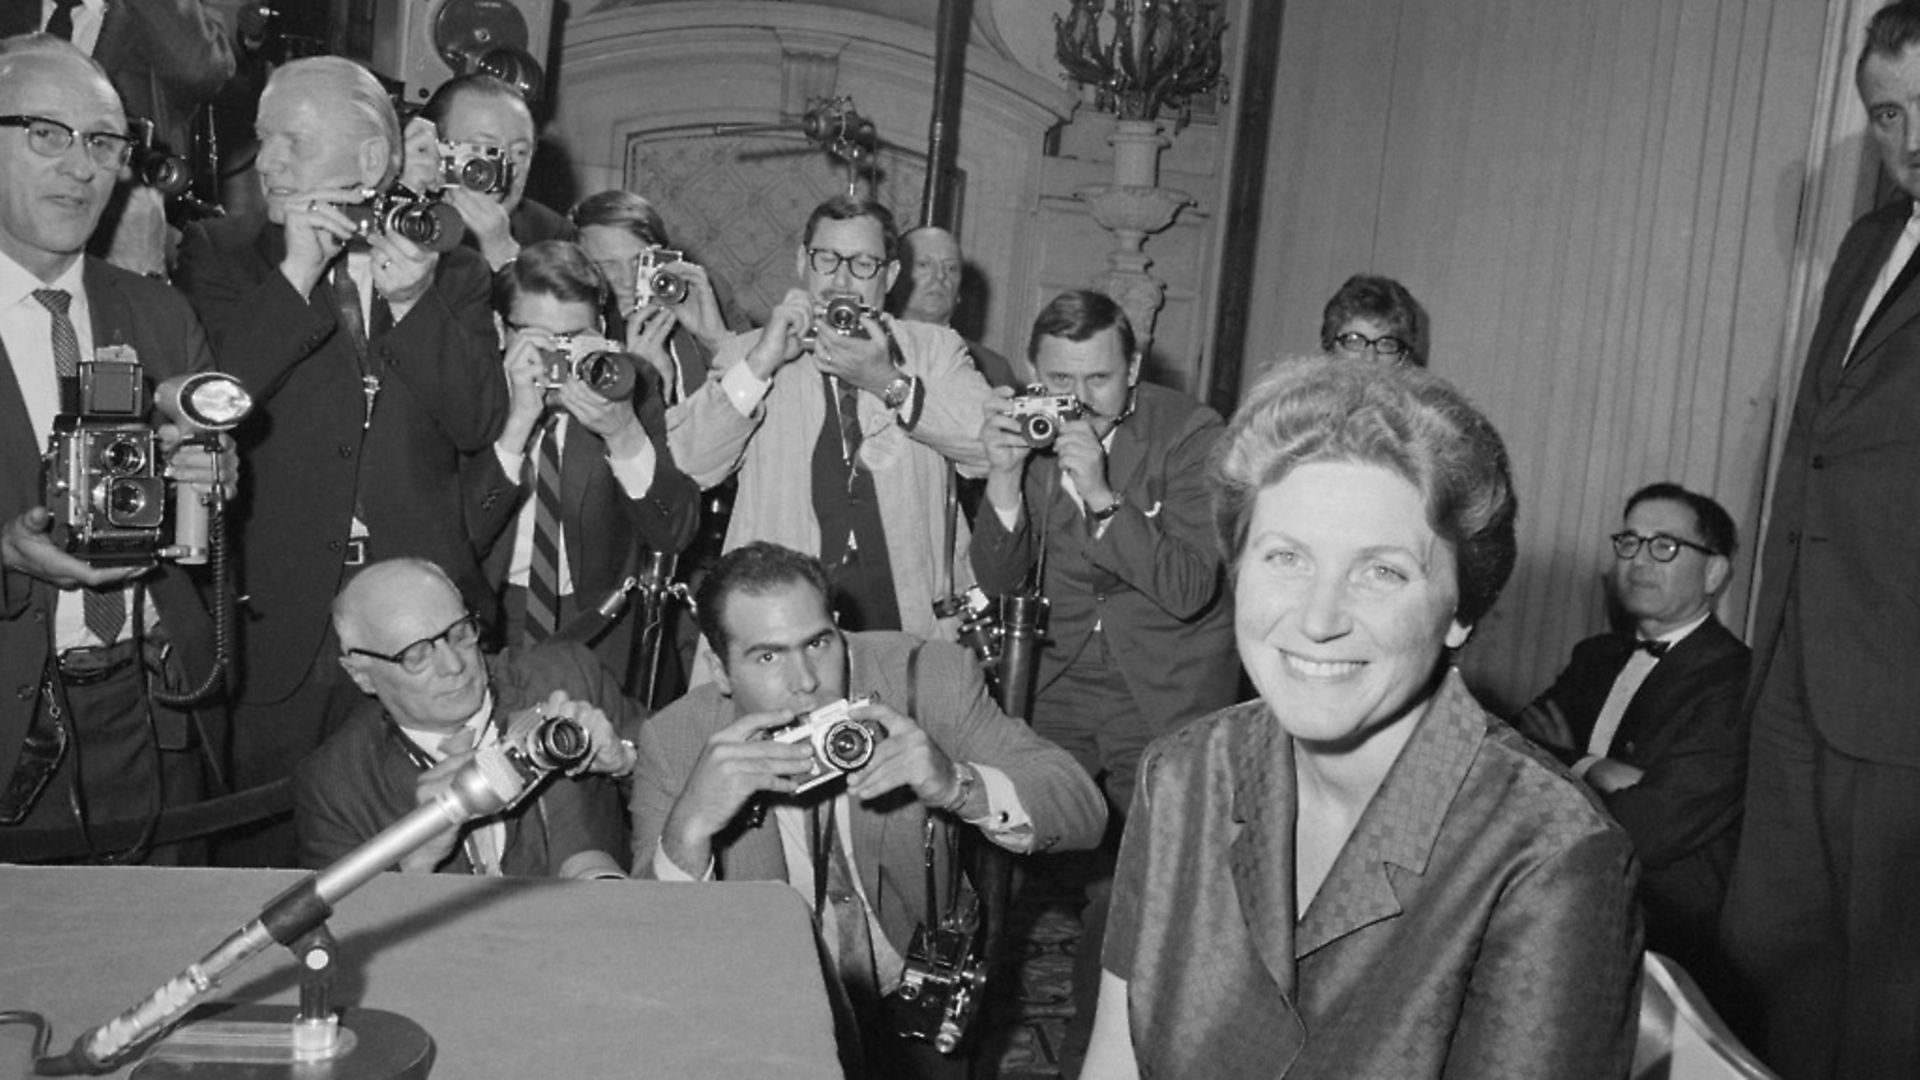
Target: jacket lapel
(1898, 307)
(1261, 853)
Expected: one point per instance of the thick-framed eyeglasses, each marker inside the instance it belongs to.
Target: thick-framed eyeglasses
(1384, 345)
(1662, 547)
(415, 658)
(52, 139)
(826, 262)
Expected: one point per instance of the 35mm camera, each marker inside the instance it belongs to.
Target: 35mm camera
(482, 169)
(1041, 412)
(593, 361)
(653, 283)
(423, 219)
(844, 314)
(840, 742)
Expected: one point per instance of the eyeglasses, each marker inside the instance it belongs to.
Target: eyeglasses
(414, 658)
(52, 139)
(1384, 345)
(827, 262)
(1662, 547)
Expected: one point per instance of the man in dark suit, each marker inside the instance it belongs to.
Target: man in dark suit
(948, 755)
(407, 640)
(929, 292)
(478, 113)
(615, 493)
(1112, 524)
(1820, 923)
(1652, 720)
(375, 367)
(83, 742)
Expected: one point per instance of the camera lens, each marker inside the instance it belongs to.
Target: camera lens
(847, 745)
(610, 374)
(1041, 430)
(135, 502)
(844, 315)
(480, 175)
(415, 221)
(122, 457)
(559, 743)
(669, 288)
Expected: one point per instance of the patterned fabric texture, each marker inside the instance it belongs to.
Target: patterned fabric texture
(1479, 921)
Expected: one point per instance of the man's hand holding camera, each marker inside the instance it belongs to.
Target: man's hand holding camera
(700, 311)
(785, 335)
(648, 332)
(486, 218)
(402, 271)
(27, 547)
(530, 391)
(316, 233)
(612, 755)
(1084, 459)
(858, 359)
(909, 758)
(738, 763)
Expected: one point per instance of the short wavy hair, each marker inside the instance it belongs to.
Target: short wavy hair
(1372, 412)
(618, 209)
(337, 83)
(1385, 301)
(556, 268)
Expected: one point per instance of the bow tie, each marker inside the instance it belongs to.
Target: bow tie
(1655, 649)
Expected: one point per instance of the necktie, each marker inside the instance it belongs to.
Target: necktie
(106, 610)
(847, 405)
(60, 23)
(842, 914)
(543, 578)
(1655, 649)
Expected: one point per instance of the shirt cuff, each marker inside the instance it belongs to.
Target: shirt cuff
(510, 463)
(635, 473)
(665, 869)
(591, 865)
(1008, 518)
(744, 388)
(1007, 822)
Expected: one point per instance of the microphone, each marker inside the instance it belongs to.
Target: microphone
(497, 778)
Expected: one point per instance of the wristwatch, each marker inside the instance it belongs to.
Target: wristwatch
(898, 392)
(1107, 513)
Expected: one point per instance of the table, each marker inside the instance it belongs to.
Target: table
(511, 977)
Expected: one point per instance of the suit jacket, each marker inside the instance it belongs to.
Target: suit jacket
(772, 451)
(954, 709)
(1153, 580)
(1841, 538)
(311, 453)
(165, 57)
(127, 309)
(531, 222)
(604, 531)
(1478, 921)
(362, 779)
(1685, 728)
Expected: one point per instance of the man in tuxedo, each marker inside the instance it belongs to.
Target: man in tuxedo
(1111, 523)
(408, 641)
(844, 439)
(375, 366)
(588, 484)
(855, 848)
(1819, 923)
(84, 742)
(1650, 716)
(478, 114)
(166, 58)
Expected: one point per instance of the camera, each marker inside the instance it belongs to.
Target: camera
(652, 282)
(101, 471)
(591, 360)
(153, 164)
(557, 743)
(844, 314)
(1040, 414)
(483, 169)
(840, 743)
(423, 219)
(979, 620)
(940, 990)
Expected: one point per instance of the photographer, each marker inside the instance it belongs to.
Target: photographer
(1140, 634)
(83, 742)
(408, 641)
(374, 361)
(482, 120)
(599, 468)
(842, 430)
(945, 751)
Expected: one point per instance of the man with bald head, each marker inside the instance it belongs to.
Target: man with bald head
(374, 366)
(408, 640)
(931, 293)
(83, 744)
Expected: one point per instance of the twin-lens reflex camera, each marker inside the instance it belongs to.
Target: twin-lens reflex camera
(592, 360)
(941, 988)
(1041, 412)
(840, 742)
(102, 472)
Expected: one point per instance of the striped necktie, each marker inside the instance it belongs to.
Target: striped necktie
(543, 578)
(105, 609)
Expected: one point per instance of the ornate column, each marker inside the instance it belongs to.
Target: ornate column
(1133, 208)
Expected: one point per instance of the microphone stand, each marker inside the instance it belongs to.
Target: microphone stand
(497, 778)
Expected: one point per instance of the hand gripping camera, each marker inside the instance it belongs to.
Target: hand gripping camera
(482, 169)
(1040, 414)
(844, 314)
(423, 219)
(592, 360)
(653, 283)
(840, 742)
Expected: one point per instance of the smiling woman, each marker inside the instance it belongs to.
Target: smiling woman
(1361, 873)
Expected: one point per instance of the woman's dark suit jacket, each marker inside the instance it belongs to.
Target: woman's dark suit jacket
(1479, 922)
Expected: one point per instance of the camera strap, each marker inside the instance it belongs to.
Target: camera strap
(346, 305)
(41, 749)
